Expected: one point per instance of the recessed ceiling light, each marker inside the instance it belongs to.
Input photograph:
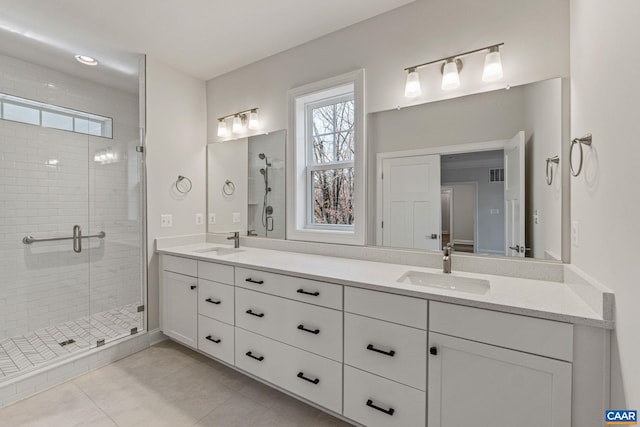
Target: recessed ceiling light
(86, 60)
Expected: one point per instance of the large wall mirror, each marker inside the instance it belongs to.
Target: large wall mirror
(246, 185)
(478, 172)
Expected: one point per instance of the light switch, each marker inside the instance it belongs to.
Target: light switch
(495, 211)
(236, 217)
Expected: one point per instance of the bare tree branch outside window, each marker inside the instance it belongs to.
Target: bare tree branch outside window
(333, 145)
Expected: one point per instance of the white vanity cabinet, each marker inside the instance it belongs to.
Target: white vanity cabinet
(385, 358)
(496, 369)
(216, 316)
(179, 299)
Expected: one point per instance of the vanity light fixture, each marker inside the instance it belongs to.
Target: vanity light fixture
(450, 68)
(222, 128)
(86, 60)
(242, 120)
(237, 126)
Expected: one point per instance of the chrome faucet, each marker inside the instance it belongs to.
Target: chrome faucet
(446, 258)
(235, 238)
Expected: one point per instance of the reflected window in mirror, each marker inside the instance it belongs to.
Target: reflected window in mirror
(327, 147)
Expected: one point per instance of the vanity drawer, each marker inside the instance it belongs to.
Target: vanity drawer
(311, 291)
(312, 328)
(380, 305)
(186, 266)
(216, 339)
(215, 272)
(377, 402)
(215, 300)
(313, 377)
(386, 349)
(537, 336)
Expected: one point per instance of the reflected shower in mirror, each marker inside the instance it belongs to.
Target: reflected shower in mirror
(470, 171)
(266, 197)
(256, 167)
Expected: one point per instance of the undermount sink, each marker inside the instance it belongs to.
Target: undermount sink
(446, 281)
(219, 250)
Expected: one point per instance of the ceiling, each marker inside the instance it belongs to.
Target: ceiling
(204, 38)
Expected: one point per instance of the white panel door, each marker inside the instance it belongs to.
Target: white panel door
(411, 202)
(486, 386)
(514, 196)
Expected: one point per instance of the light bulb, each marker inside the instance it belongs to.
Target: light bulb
(492, 66)
(254, 123)
(222, 128)
(450, 76)
(237, 124)
(412, 88)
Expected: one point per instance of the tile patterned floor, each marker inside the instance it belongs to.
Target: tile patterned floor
(164, 385)
(19, 354)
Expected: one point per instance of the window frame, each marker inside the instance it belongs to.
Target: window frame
(300, 200)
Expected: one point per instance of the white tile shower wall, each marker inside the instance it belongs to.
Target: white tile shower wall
(47, 283)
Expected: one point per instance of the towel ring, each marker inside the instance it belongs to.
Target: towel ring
(585, 140)
(183, 184)
(228, 188)
(550, 162)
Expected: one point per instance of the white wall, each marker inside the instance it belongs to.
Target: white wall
(535, 33)
(176, 145)
(604, 198)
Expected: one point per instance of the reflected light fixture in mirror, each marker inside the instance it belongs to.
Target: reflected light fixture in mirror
(242, 120)
(451, 67)
(412, 88)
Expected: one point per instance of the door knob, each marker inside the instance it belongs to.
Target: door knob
(434, 236)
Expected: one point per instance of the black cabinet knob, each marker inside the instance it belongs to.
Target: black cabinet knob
(433, 350)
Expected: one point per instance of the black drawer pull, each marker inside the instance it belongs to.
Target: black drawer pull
(301, 375)
(212, 301)
(389, 411)
(389, 353)
(193, 287)
(257, 282)
(258, 358)
(313, 294)
(315, 331)
(254, 314)
(434, 351)
(212, 340)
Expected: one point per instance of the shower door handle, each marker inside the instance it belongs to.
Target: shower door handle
(77, 239)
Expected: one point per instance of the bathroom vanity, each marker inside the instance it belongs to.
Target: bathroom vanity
(391, 345)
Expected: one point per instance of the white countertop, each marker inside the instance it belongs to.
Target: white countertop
(535, 298)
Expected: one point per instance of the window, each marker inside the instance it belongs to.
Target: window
(37, 113)
(327, 146)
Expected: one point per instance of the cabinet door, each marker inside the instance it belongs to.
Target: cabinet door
(180, 308)
(486, 386)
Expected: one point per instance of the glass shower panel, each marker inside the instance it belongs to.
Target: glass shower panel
(44, 285)
(115, 208)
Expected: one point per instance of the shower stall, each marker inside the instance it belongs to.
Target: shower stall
(72, 252)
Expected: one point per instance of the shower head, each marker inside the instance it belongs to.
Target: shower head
(262, 156)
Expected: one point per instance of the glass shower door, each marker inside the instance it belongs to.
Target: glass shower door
(44, 285)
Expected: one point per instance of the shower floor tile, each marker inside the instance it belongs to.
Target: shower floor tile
(18, 354)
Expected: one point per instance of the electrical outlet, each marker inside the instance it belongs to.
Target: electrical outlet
(199, 219)
(236, 217)
(212, 218)
(575, 233)
(166, 220)
(536, 217)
